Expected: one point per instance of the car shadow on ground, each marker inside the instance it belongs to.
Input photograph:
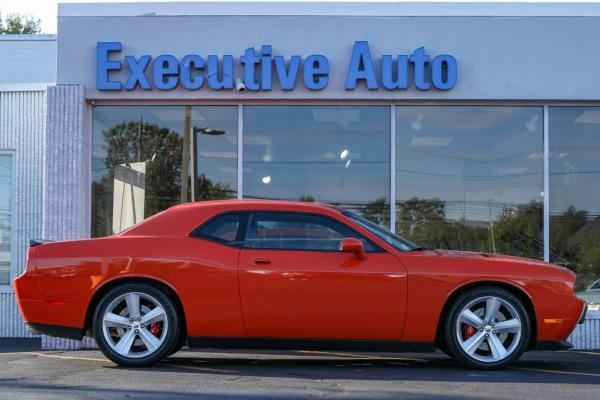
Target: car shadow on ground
(544, 367)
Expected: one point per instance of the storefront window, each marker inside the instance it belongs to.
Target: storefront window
(334, 154)
(6, 188)
(143, 158)
(471, 178)
(574, 134)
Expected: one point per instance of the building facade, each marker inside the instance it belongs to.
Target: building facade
(472, 127)
(27, 68)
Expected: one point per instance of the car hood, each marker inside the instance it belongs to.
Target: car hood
(472, 255)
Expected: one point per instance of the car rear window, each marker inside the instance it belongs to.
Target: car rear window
(223, 229)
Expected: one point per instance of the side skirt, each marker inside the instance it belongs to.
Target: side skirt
(309, 344)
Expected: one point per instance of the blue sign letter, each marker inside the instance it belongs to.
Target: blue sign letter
(189, 63)
(316, 71)
(361, 67)
(287, 77)
(137, 68)
(437, 72)
(226, 81)
(249, 61)
(104, 65)
(166, 66)
(387, 72)
(266, 67)
(420, 60)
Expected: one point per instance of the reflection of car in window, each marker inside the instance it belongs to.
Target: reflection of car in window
(591, 296)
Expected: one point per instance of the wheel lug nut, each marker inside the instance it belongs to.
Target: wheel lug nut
(494, 332)
(493, 323)
(487, 335)
(480, 329)
(136, 331)
(130, 319)
(142, 325)
(139, 318)
(484, 322)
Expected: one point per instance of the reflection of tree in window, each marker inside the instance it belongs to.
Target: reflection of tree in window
(140, 141)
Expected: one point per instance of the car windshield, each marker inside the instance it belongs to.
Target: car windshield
(396, 241)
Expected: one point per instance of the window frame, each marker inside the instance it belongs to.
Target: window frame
(360, 236)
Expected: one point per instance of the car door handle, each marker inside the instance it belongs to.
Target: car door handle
(262, 261)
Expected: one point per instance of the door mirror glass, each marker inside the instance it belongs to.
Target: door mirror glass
(353, 245)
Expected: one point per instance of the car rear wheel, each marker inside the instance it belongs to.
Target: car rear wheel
(136, 325)
(487, 328)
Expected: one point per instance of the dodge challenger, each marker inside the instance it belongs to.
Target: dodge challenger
(290, 275)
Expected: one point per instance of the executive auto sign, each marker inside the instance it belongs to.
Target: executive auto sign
(264, 71)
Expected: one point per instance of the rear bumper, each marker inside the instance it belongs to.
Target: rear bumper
(66, 332)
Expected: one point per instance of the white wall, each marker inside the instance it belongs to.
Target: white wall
(27, 59)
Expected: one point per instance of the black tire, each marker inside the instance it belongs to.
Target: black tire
(178, 345)
(450, 328)
(171, 333)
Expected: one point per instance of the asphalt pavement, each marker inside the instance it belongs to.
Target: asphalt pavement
(27, 373)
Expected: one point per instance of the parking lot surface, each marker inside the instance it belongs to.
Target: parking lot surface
(35, 374)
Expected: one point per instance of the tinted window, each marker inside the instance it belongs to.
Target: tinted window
(223, 229)
(290, 231)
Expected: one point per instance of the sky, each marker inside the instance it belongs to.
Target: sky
(45, 10)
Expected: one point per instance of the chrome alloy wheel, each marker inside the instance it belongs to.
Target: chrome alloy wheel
(135, 325)
(488, 329)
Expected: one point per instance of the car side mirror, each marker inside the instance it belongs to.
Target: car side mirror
(355, 246)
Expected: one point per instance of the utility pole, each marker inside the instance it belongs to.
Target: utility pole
(185, 157)
(493, 241)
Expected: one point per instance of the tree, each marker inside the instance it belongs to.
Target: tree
(377, 211)
(19, 24)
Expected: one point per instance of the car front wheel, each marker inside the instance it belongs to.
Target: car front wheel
(136, 325)
(487, 328)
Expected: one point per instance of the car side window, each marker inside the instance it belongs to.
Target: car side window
(298, 231)
(222, 228)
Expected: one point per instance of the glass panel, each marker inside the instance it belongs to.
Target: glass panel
(223, 228)
(141, 160)
(471, 178)
(574, 139)
(215, 142)
(5, 213)
(289, 231)
(334, 154)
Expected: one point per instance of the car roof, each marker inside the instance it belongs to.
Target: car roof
(257, 203)
(183, 218)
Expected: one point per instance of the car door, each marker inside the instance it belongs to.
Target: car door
(296, 283)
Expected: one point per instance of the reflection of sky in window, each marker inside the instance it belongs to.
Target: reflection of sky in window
(5, 210)
(575, 159)
(337, 154)
(478, 159)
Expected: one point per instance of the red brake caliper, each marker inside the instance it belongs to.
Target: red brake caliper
(468, 331)
(155, 328)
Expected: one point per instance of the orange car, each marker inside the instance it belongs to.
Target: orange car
(274, 274)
